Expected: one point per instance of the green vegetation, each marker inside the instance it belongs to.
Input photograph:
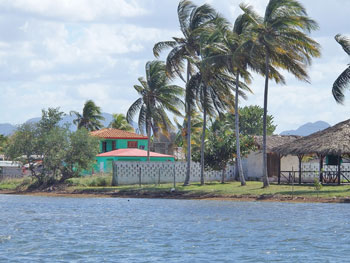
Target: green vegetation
(230, 189)
(101, 184)
(53, 153)
(96, 180)
(119, 122)
(15, 183)
(156, 96)
(3, 143)
(91, 117)
(343, 81)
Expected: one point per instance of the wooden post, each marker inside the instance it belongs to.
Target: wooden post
(339, 157)
(115, 175)
(279, 168)
(300, 157)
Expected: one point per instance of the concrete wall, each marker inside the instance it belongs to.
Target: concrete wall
(252, 164)
(163, 172)
(104, 163)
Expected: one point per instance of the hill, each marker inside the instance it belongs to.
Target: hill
(308, 128)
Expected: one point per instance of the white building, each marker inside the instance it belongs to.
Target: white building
(253, 163)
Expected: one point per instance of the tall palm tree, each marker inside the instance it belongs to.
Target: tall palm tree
(343, 81)
(191, 19)
(214, 95)
(119, 122)
(281, 35)
(90, 118)
(157, 96)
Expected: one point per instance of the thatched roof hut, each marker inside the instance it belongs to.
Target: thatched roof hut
(273, 141)
(334, 140)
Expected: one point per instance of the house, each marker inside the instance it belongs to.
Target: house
(118, 145)
(113, 139)
(253, 163)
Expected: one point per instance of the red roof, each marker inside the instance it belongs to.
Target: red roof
(110, 133)
(132, 152)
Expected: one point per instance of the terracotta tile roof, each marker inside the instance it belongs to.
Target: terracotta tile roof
(110, 133)
(131, 152)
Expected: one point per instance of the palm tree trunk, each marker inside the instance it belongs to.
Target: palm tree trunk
(188, 171)
(238, 145)
(202, 144)
(265, 176)
(149, 139)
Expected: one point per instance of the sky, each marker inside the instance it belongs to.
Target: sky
(60, 53)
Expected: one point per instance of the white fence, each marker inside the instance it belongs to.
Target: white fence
(162, 172)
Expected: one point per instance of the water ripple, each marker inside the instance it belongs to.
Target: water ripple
(46, 229)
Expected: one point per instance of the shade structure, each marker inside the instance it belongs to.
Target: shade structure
(273, 141)
(334, 140)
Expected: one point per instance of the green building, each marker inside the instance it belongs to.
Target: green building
(118, 145)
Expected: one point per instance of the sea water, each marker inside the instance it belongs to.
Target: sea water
(61, 229)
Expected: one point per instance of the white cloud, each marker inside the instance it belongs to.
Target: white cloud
(76, 10)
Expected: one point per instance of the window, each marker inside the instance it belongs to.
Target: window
(132, 144)
(113, 145)
(104, 147)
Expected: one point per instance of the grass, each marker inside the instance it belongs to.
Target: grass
(95, 180)
(231, 189)
(102, 184)
(15, 183)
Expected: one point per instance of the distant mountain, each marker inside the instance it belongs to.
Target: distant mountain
(308, 128)
(7, 128)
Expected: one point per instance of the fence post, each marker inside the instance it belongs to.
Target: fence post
(114, 175)
(159, 177)
(140, 177)
(174, 177)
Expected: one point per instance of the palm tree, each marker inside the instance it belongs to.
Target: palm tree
(156, 97)
(90, 118)
(191, 19)
(119, 122)
(226, 52)
(181, 134)
(214, 94)
(281, 36)
(343, 81)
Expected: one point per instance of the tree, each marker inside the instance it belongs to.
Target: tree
(62, 153)
(191, 19)
(251, 121)
(343, 81)
(157, 96)
(79, 155)
(221, 145)
(214, 94)
(119, 122)
(91, 117)
(3, 143)
(281, 36)
(24, 145)
(181, 135)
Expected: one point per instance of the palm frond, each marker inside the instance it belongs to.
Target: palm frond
(344, 42)
(339, 86)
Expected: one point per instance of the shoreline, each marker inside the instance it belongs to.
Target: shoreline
(85, 193)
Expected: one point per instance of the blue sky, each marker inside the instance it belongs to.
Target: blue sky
(59, 53)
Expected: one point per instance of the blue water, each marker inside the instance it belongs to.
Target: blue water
(50, 229)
